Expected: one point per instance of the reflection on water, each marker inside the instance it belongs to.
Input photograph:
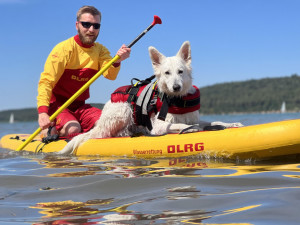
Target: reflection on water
(53, 189)
(91, 190)
(177, 167)
(162, 191)
(77, 211)
(128, 168)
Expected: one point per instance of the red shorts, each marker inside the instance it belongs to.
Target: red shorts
(86, 115)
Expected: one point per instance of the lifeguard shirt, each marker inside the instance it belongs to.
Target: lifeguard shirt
(68, 67)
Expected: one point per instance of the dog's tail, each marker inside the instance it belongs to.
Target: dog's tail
(72, 146)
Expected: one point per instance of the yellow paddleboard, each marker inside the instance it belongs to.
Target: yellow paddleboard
(250, 142)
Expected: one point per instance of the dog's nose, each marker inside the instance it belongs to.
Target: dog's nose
(176, 87)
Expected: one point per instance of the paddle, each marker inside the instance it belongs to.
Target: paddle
(156, 20)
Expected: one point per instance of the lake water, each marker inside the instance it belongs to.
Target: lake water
(47, 189)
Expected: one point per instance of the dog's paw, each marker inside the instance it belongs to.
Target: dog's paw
(237, 124)
(227, 125)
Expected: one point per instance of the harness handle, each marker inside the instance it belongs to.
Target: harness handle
(142, 82)
(50, 137)
(134, 79)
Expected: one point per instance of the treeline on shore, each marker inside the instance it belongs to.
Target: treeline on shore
(263, 95)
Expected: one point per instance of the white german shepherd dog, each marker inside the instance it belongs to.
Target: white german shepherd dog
(174, 79)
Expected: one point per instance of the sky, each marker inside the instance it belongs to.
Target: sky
(231, 40)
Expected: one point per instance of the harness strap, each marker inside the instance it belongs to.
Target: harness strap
(132, 94)
(142, 105)
(136, 86)
(150, 99)
(184, 103)
(175, 102)
(164, 109)
(152, 107)
(143, 98)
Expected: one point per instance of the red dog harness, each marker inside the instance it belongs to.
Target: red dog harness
(145, 99)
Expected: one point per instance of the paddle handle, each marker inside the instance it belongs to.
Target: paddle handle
(70, 100)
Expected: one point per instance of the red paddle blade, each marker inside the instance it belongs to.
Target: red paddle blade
(156, 20)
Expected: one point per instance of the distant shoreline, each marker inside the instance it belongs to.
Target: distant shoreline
(30, 114)
(262, 112)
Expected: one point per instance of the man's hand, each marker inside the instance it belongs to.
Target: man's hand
(124, 53)
(44, 121)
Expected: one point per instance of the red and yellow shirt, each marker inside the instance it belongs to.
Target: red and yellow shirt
(68, 67)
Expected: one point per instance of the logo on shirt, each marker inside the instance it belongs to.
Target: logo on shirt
(82, 79)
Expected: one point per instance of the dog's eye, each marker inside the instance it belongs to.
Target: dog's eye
(167, 72)
(180, 71)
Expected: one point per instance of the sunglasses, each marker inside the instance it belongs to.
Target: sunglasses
(88, 25)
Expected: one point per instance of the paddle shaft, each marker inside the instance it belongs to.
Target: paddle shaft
(140, 36)
(87, 84)
(156, 20)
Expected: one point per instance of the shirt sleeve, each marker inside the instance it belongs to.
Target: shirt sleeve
(112, 72)
(53, 70)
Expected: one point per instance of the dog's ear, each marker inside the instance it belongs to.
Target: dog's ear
(185, 52)
(156, 56)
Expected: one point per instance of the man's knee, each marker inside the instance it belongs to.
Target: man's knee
(70, 127)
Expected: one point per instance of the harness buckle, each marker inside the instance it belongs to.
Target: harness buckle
(153, 101)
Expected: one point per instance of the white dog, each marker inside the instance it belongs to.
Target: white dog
(173, 101)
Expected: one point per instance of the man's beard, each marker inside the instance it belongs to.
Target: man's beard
(85, 39)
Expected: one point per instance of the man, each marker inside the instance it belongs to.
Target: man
(68, 67)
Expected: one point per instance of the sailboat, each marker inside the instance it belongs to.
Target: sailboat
(11, 118)
(283, 108)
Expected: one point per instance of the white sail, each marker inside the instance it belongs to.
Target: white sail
(11, 118)
(283, 108)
